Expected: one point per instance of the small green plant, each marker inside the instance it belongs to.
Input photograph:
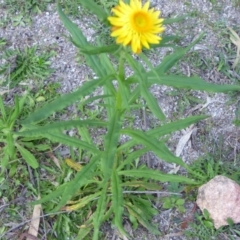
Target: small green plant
(25, 65)
(203, 229)
(207, 167)
(174, 201)
(12, 146)
(24, 10)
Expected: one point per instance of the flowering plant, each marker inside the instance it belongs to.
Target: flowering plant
(112, 184)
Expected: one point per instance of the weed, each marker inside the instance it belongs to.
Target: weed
(203, 228)
(12, 146)
(24, 10)
(207, 167)
(25, 65)
(174, 201)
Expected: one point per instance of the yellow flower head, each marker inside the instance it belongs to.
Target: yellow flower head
(136, 25)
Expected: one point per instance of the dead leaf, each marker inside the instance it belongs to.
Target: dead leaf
(235, 40)
(55, 160)
(34, 224)
(183, 140)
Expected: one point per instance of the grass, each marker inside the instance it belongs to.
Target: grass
(23, 65)
(55, 171)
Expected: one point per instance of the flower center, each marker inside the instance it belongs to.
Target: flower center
(141, 21)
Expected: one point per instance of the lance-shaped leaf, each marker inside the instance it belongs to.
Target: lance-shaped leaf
(72, 142)
(117, 201)
(59, 126)
(171, 127)
(65, 100)
(67, 190)
(141, 77)
(165, 129)
(101, 208)
(95, 9)
(158, 147)
(157, 175)
(79, 40)
(138, 214)
(111, 142)
(93, 50)
(194, 83)
(27, 156)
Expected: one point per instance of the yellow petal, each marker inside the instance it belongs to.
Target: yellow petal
(136, 25)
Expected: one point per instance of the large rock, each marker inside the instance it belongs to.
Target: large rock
(221, 198)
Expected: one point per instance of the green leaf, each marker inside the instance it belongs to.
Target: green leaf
(167, 203)
(166, 64)
(175, 126)
(208, 224)
(141, 77)
(13, 116)
(131, 156)
(92, 50)
(100, 65)
(84, 231)
(160, 132)
(154, 145)
(59, 126)
(67, 190)
(194, 83)
(10, 147)
(2, 109)
(169, 61)
(72, 142)
(79, 180)
(65, 100)
(85, 135)
(117, 201)
(79, 40)
(101, 208)
(95, 9)
(137, 213)
(28, 157)
(151, 101)
(53, 195)
(156, 175)
(166, 42)
(180, 202)
(5, 160)
(174, 20)
(111, 142)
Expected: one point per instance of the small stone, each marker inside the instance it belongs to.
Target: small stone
(221, 198)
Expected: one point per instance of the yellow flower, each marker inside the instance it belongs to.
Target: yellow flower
(136, 25)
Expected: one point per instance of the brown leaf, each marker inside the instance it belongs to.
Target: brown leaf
(55, 160)
(235, 40)
(34, 224)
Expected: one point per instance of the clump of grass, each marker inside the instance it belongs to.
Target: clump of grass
(22, 65)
